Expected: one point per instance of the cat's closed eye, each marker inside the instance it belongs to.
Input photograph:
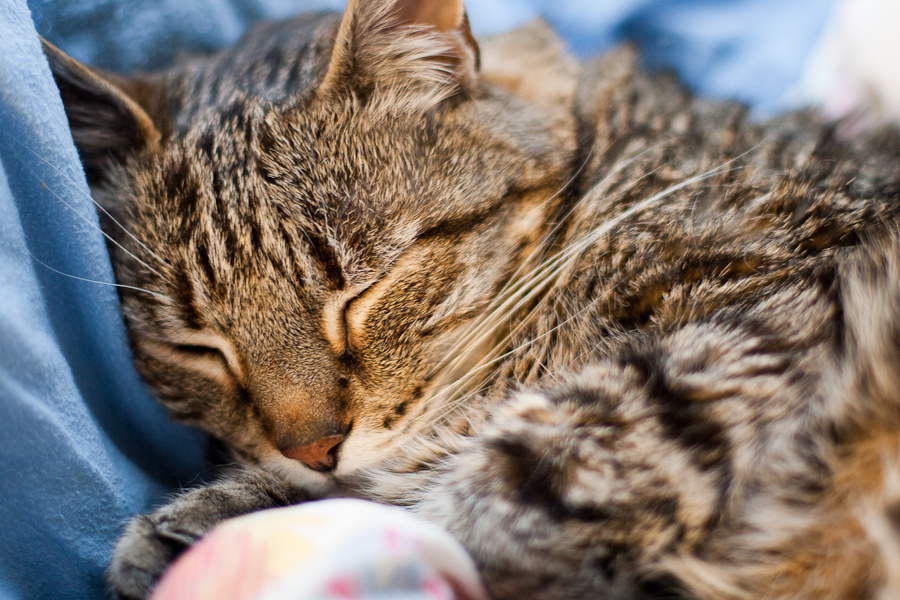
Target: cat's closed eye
(209, 354)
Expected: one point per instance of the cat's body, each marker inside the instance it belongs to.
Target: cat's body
(618, 340)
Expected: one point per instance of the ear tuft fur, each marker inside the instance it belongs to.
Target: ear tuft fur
(411, 54)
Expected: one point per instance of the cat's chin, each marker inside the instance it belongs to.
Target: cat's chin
(300, 476)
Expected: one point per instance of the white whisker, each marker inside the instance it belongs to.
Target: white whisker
(541, 269)
(520, 291)
(450, 390)
(99, 207)
(118, 285)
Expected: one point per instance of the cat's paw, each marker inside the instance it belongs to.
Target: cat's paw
(153, 541)
(573, 491)
(150, 544)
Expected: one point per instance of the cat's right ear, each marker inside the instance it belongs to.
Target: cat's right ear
(106, 118)
(410, 54)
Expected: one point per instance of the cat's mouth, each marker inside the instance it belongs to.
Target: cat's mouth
(334, 460)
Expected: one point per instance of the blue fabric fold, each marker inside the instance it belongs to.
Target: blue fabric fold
(82, 445)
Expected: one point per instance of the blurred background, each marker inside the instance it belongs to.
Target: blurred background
(749, 50)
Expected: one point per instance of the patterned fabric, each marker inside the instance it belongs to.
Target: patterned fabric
(329, 550)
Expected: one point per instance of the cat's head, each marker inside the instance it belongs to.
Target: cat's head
(308, 264)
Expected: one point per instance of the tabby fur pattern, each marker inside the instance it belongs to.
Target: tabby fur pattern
(622, 342)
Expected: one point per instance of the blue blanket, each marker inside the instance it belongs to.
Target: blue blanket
(82, 446)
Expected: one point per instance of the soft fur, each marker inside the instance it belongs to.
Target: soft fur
(622, 342)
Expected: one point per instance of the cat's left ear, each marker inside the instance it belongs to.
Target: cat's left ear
(109, 115)
(410, 52)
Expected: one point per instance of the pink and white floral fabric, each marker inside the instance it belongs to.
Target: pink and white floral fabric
(329, 550)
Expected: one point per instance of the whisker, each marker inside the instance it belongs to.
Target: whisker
(118, 285)
(502, 357)
(523, 291)
(562, 220)
(540, 247)
(99, 207)
(552, 231)
(514, 280)
(549, 269)
(107, 236)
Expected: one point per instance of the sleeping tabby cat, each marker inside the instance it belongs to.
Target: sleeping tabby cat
(620, 341)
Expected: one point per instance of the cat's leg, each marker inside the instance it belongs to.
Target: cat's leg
(663, 450)
(154, 540)
(576, 491)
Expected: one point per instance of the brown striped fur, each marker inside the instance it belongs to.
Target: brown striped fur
(621, 341)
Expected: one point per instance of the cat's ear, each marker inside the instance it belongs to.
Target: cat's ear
(105, 115)
(411, 52)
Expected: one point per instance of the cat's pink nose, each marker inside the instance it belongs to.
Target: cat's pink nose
(321, 455)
